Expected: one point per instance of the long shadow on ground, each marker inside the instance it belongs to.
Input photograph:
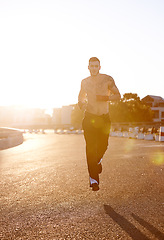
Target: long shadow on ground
(127, 226)
(149, 227)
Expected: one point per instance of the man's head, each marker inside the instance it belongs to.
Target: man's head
(94, 66)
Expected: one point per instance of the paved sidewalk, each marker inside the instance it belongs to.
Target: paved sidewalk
(45, 194)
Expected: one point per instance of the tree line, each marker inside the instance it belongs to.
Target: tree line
(129, 109)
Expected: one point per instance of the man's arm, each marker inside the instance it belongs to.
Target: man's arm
(115, 94)
(82, 98)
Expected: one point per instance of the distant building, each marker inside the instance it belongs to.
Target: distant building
(157, 105)
(66, 112)
(13, 116)
(62, 116)
(56, 116)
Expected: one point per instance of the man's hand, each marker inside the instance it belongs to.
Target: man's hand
(102, 98)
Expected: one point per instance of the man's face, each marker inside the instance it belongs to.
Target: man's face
(94, 68)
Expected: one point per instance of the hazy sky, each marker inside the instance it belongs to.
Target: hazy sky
(45, 46)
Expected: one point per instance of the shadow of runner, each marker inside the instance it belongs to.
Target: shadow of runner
(149, 227)
(128, 227)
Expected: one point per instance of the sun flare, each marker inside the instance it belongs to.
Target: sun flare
(158, 158)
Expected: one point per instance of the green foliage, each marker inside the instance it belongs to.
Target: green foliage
(130, 109)
(130, 96)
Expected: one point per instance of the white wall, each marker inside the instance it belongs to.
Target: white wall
(160, 109)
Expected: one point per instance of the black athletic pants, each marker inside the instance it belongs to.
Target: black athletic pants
(96, 133)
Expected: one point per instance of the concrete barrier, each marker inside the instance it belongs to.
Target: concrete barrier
(161, 134)
(149, 137)
(132, 135)
(129, 134)
(140, 136)
(10, 137)
(156, 137)
(80, 131)
(120, 134)
(125, 134)
(67, 131)
(113, 134)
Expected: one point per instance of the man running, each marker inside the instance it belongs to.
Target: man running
(95, 93)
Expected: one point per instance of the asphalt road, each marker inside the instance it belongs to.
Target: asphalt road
(45, 193)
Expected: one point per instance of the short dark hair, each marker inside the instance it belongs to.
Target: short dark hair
(94, 59)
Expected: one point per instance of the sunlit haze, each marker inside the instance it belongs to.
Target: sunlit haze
(45, 46)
